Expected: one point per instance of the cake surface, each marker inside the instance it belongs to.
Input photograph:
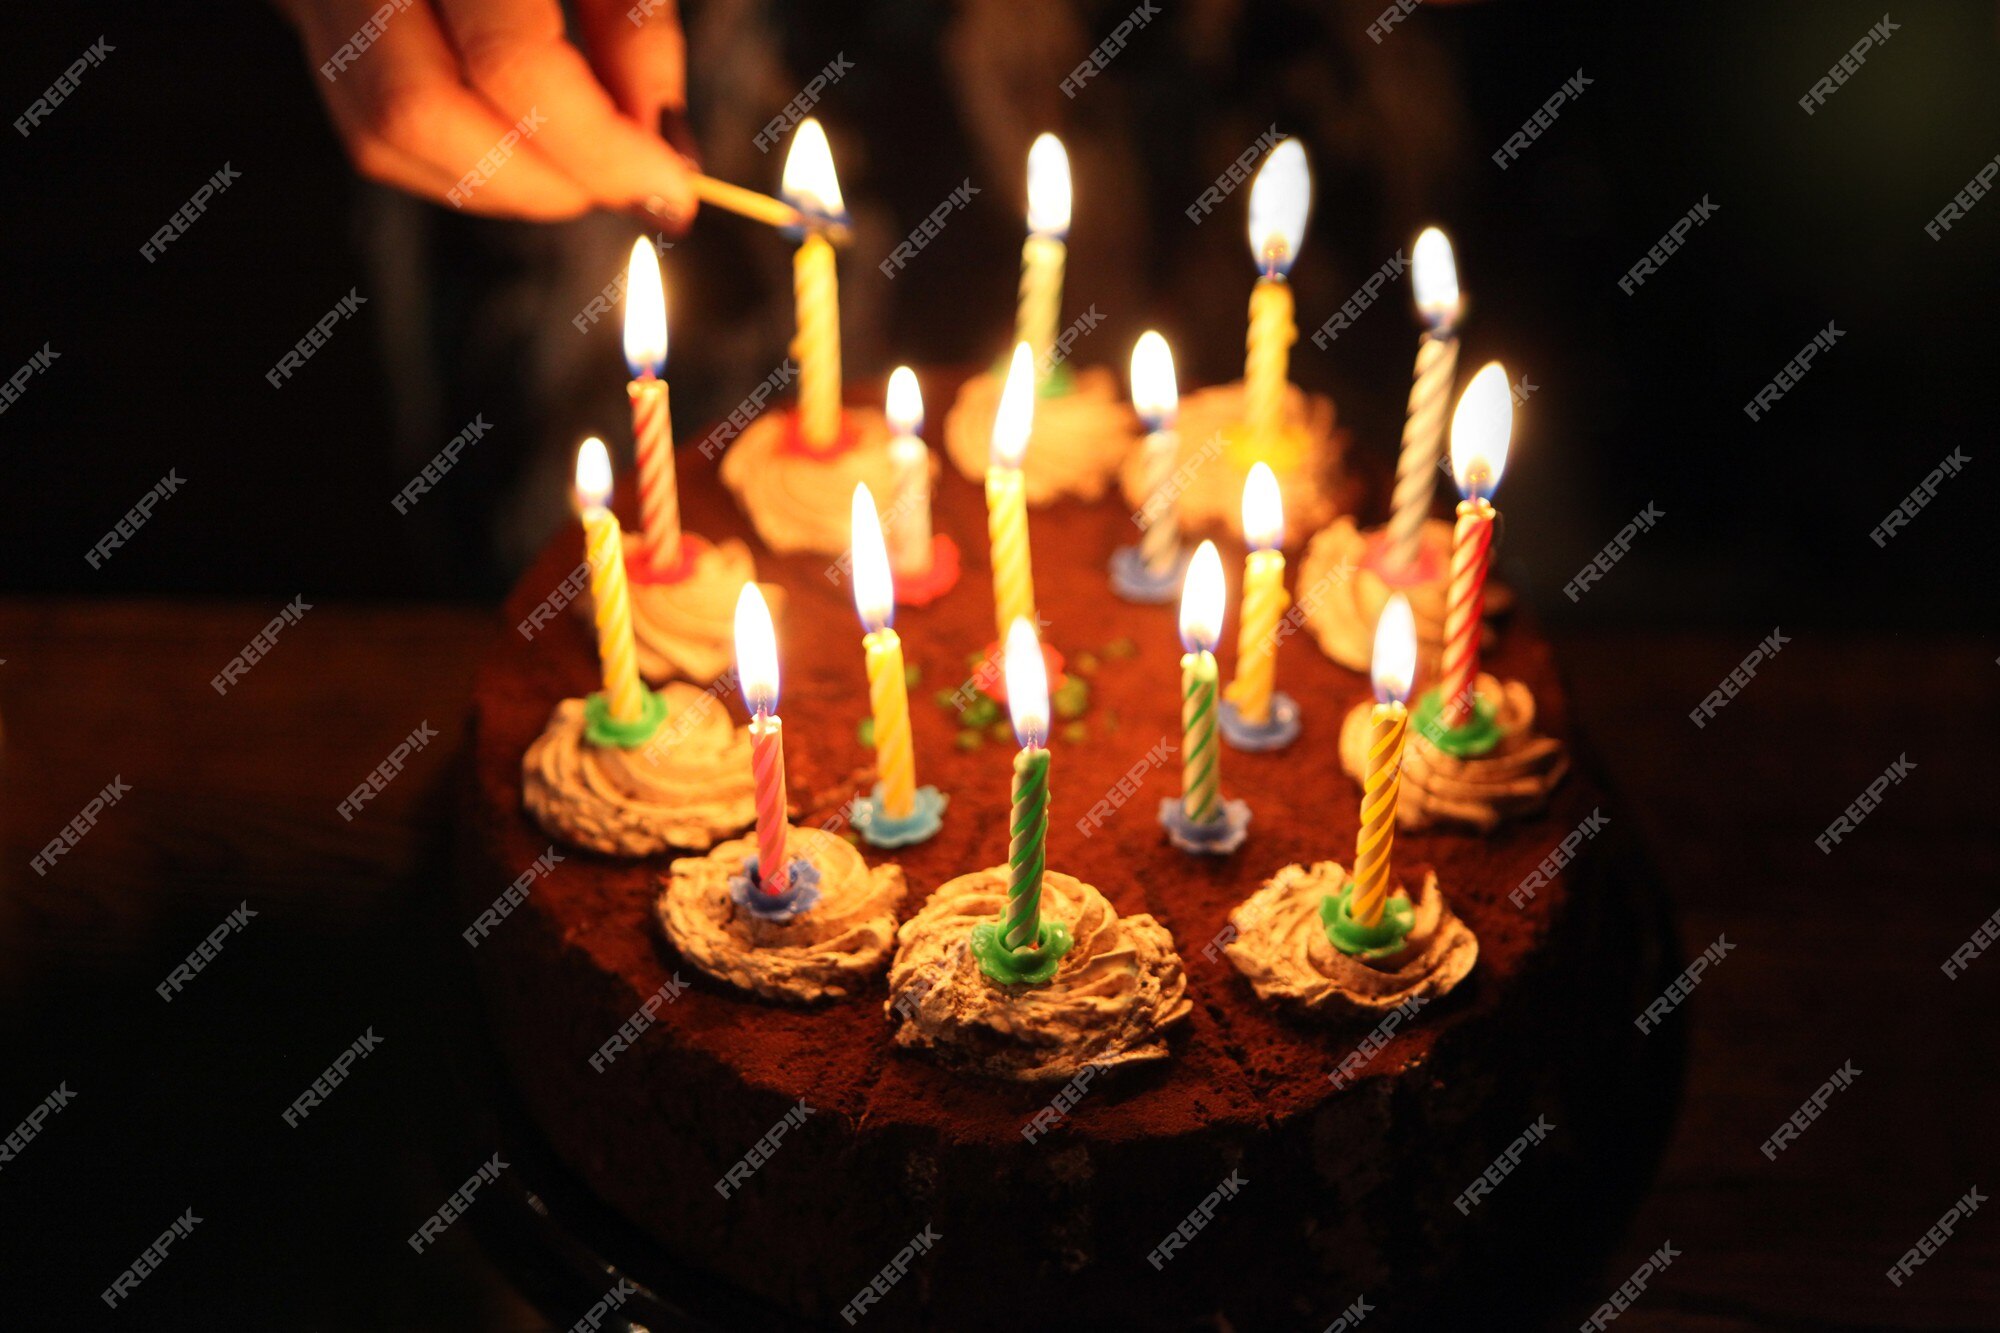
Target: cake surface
(1324, 1176)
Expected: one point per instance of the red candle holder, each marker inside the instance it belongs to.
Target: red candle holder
(924, 588)
(692, 548)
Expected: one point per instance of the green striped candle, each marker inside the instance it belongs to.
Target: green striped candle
(1201, 627)
(1027, 847)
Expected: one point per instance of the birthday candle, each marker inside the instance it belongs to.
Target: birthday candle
(1042, 256)
(910, 464)
(1434, 275)
(757, 673)
(652, 423)
(1156, 398)
(605, 550)
(1279, 199)
(811, 186)
(1480, 431)
(1201, 627)
(1006, 497)
(1264, 597)
(888, 690)
(1394, 665)
(1028, 825)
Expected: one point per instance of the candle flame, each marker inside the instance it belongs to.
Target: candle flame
(645, 312)
(1155, 394)
(756, 652)
(1481, 428)
(809, 183)
(1201, 600)
(1395, 664)
(1016, 417)
(1434, 278)
(1280, 197)
(1027, 684)
(1263, 510)
(906, 402)
(1048, 187)
(593, 474)
(874, 590)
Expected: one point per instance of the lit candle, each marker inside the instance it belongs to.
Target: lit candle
(1040, 307)
(1006, 496)
(1201, 628)
(1480, 431)
(1434, 275)
(1279, 199)
(910, 463)
(1394, 665)
(888, 692)
(1028, 829)
(1156, 398)
(1264, 597)
(604, 545)
(652, 423)
(757, 673)
(811, 186)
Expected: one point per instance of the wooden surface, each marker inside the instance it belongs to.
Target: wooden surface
(233, 801)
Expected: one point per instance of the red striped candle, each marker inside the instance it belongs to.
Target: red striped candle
(652, 422)
(757, 673)
(1480, 432)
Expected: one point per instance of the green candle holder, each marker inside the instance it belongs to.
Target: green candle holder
(1029, 966)
(600, 728)
(1476, 736)
(1352, 938)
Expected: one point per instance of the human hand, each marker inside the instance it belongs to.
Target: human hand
(485, 105)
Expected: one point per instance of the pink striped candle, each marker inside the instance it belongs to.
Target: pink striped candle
(1480, 431)
(757, 673)
(652, 422)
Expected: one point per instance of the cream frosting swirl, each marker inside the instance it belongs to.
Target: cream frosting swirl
(1282, 948)
(685, 788)
(1110, 1002)
(1342, 595)
(826, 952)
(1510, 781)
(801, 503)
(1215, 460)
(1077, 441)
(688, 628)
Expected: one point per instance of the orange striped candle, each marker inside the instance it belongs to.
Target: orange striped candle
(1394, 665)
(604, 545)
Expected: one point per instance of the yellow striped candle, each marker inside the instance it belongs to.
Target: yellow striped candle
(1394, 665)
(1280, 197)
(811, 186)
(888, 688)
(1007, 500)
(604, 545)
(1264, 597)
(1434, 275)
(1043, 255)
(1201, 629)
(652, 420)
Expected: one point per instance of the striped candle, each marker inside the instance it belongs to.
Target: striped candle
(1028, 826)
(652, 428)
(757, 674)
(888, 688)
(812, 187)
(1264, 597)
(1007, 497)
(1039, 308)
(1268, 352)
(1481, 430)
(1280, 198)
(604, 547)
(1156, 398)
(1201, 627)
(1434, 277)
(1393, 668)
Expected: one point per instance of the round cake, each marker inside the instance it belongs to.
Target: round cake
(1269, 1171)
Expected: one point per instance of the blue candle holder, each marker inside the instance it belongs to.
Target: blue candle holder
(1131, 580)
(1217, 837)
(1281, 730)
(877, 829)
(801, 891)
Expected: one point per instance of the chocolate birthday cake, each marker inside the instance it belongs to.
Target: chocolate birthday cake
(1166, 1137)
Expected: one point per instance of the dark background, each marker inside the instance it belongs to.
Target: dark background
(1639, 400)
